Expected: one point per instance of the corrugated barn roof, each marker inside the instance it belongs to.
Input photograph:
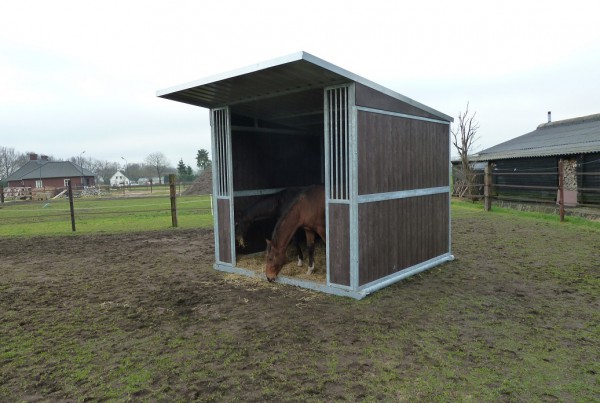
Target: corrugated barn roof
(40, 169)
(564, 137)
(286, 90)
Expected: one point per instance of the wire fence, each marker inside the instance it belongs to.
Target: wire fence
(21, 210)
(567, 184)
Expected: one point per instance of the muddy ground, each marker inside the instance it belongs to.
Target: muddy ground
(144, 316)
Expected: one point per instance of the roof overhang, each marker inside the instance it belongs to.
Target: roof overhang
(280, 89)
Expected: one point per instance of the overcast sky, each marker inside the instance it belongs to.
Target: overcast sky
(82, 76)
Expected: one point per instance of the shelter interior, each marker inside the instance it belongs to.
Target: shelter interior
(275, 143)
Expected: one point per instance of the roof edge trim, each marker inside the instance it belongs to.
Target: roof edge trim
(302, 55)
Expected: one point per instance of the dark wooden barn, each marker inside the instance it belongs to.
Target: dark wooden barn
(383, 158)
(526, 168)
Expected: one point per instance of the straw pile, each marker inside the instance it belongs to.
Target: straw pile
(256, 263)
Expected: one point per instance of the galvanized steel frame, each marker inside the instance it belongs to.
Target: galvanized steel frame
(340, 163)
(369, 198)
(220, 123)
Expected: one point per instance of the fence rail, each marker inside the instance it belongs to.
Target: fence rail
(530, 186)
(99, 209)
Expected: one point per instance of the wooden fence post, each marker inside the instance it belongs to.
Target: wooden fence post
(1, 194)
(71, 206)
(561, 192)
(173, 199)
(487, 182)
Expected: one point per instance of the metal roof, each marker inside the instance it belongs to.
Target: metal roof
(564, 137)
(41, 169)
(286, 90)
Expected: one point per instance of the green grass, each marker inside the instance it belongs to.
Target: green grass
(101, 215)
(460, 206)
(513, 318)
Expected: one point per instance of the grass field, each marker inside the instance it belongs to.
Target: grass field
(143, 316)
(103, 215)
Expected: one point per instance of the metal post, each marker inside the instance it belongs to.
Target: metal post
(487, 180)
(71, 205)
(173, 199)
(561, 192)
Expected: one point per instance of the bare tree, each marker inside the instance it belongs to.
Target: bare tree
(464, 136)
(158, 162)
(103, 169)
(10, 161)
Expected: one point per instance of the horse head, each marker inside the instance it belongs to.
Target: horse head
(240, 231)
(276, 258)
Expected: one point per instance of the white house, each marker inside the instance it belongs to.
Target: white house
(119, 179)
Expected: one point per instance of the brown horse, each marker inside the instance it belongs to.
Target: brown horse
(307, 211)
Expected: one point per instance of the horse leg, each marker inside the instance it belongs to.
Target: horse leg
(298, 248)
(310, 242)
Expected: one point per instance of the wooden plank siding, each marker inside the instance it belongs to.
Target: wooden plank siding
(396, 153)
(528, 169)
(590, 163)
(397, 234)
(224, 231)
(339, 244)
(372, 98)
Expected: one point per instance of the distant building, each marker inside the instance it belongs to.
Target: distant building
(119, 179)
(575, 141)
(39, 172)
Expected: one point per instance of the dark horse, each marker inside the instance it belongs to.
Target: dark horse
(306, 212)
(270, 206)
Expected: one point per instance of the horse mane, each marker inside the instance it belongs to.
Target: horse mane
(285, 213)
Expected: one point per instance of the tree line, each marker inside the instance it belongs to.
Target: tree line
(155, 165)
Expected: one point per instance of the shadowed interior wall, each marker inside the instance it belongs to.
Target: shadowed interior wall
(396, 234)
(273, 160)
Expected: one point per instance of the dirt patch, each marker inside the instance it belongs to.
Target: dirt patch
(202, 185)
(143, 316)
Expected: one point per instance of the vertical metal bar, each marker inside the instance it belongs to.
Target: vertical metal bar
(327, 142)
(337, 146)
(229, 158)
(222, 156)
(449, 198)
(353, 163)
(347, 145)
(220, 132)
(332, 147)
(215, 178)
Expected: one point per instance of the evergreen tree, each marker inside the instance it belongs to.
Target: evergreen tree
(202, 159)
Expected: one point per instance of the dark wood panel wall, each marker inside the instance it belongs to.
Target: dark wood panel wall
(396, 153)
(339, 244)
(224, 230)
(372, 98)
(397, 234)
(273, 160)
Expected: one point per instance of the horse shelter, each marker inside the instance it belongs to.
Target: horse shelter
(383, 158)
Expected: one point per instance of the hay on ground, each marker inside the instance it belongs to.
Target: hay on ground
(256, 263)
